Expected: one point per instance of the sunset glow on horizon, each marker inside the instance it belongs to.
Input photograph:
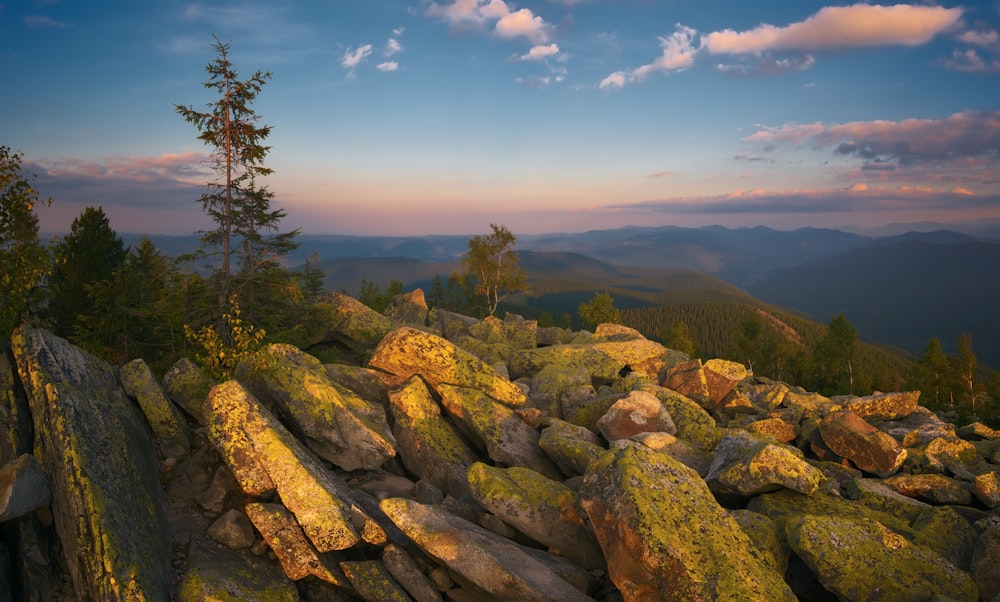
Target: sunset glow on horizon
(441, 117)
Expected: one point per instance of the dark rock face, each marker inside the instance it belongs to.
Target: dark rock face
(108, 505)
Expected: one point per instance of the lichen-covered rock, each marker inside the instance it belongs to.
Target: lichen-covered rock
(694, 424)
(745, 465)
(496, 565)
(348, 321)
(94, 445)
(571, 447)
(543, 509)
(407, 351)
(372, 581)
(298, 557)
(665, 537)
(188, 385)
(604, 360)
(332, 420)
(931, 487)
(220, 575)
(985, 560)
(689, 380)
(637, 412)
(878, 495)
(871, 450)
(977, 431)
(371, 385)
(920, 427)
(765, 535)
(780, 430)
(561, 391)
(722, 376)
(407, 308)
(428, 445)
(678, 449)
(860, 559)
(986, 488)
(810, 402)
(23, 487)
(505, 436)
(405, 571)
(260, 452)
(169, 427)
(949, 454)
(513, 331)
(884, 406)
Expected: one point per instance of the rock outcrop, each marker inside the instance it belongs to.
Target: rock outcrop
(463, 459)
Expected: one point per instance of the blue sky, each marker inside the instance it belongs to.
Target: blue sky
(420, 117)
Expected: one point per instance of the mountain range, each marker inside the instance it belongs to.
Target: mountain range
(900, 289)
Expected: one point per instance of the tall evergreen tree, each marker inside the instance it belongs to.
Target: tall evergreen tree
(237, 204)
(23, 260)
(931, 375)
(834, 357)
(84, 258)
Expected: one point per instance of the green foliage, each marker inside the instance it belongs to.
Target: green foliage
(84, 261)
(134, 310)
(457, 295)
(678, 337)
(599, 310)
(24, 262)
(372, 296)
(311, 278)
(834, 358)
(492, 264)
(223, 347)
(956, 383)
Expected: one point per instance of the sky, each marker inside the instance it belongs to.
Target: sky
(400, 117)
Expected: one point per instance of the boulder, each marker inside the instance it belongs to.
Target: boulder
(878, 495)
(678, 449)
(221, 574)
(884, 406)
(605, 360)
(842, 552)
(346, 320)
(298, 557)
(233, 529)
(665, 537)
(746, 466)
(405, 571)
(561, 391)
(986, 488)
(428, 445)
(110, 515)
(23, 487)
(780, 430)
(806, 401)
(264, 456)
(765, 535)
(949, 454)
(722, 376)
(406, 352)
(502, 569)
(571, 447)
(513, 331)
(505, 436)
(543, 509)
(169, 427)
(689, 379)
(694, 424)
(871, 450)
(918, 428)
(373, 582)
(637, 412)
(935, 488)
(188, 385)
(977, 431)
(407, 308)
(985, 560)
(335, 422)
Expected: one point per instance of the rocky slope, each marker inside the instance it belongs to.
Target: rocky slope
(478, 460)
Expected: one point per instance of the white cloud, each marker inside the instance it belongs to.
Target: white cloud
(970, 61)
(398, 31)
(678, 54)
(353, 58)
(540, 52)
(980, 38)
(615, 80)
(387, 66)
(41, 21)
(392, 47)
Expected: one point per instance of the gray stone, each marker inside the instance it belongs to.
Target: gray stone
(23, 487)
(233, 530)
(170, 430)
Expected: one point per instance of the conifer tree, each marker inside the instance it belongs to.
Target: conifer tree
(239, 206)
(83, 259)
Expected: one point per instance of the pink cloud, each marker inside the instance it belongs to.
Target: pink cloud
(853, 26)
(970, 61)
(522, 23)
(540, 52)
